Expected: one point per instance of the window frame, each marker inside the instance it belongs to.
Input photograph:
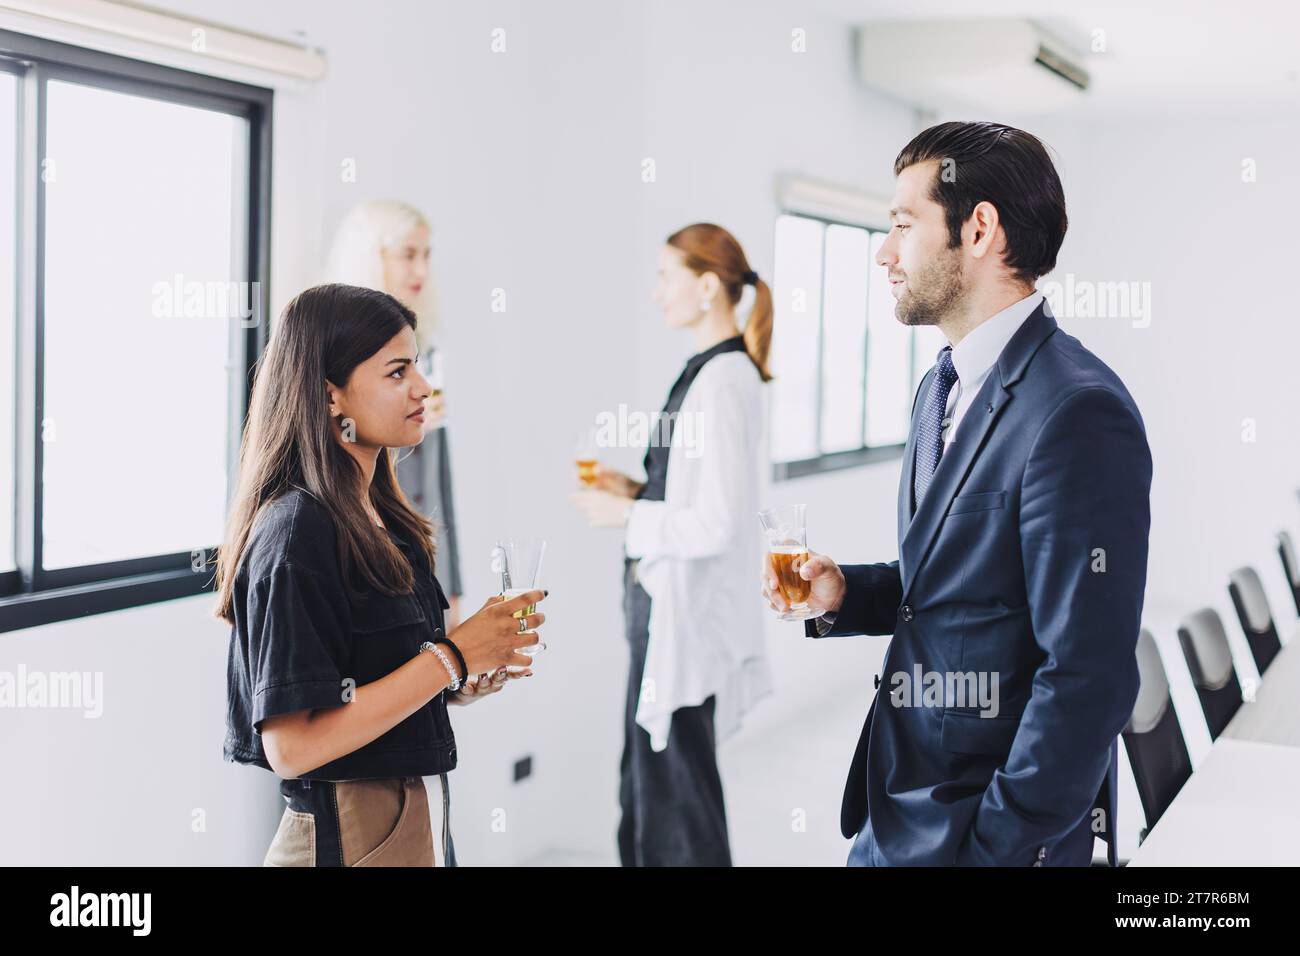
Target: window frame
(824, 462)
(31, 595)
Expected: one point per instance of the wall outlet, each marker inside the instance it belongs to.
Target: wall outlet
(523, 768)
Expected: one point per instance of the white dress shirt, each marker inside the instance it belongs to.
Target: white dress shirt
(975, 355)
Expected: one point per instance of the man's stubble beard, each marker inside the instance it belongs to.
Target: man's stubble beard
(934, 293)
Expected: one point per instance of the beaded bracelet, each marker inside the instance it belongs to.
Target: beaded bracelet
(446, 662)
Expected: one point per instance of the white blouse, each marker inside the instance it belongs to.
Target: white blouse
(700, 551)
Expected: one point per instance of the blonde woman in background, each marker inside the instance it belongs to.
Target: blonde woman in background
(384, 244)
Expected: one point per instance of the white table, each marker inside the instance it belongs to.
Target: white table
(1274, 715)
(1241, 807)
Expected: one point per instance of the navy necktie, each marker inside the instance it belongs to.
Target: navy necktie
(929, 430)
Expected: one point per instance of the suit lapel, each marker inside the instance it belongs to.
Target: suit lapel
(972, 433)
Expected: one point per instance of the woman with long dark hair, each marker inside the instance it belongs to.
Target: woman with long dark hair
(341, 665)
(695, 634)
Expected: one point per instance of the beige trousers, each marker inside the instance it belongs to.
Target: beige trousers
(373, 823)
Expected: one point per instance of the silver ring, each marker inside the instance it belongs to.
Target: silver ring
(523, 624)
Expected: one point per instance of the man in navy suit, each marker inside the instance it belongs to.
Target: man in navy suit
(1023, 514)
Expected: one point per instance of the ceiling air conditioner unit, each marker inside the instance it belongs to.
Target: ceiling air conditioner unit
(999, 65)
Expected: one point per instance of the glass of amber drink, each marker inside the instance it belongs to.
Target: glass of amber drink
(584, 456)
(787, 549)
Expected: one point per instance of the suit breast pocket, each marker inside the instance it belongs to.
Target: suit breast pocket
(978, 501)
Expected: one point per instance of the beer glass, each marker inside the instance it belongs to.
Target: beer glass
(584, 455)
(787, 550)
(519, 563)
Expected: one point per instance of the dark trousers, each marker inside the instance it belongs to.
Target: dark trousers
(672, 805)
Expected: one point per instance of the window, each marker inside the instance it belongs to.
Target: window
(845, 370)
(131, 305)
(8, 329)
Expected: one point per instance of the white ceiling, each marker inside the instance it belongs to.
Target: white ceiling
(1204, 56)
(1164, 56)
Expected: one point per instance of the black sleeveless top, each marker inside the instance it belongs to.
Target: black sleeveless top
(656, 456)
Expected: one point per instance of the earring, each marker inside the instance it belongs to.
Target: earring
(706, 304)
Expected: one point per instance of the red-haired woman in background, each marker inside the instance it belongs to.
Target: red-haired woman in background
(694, 629)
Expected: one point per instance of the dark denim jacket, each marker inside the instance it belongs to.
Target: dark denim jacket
(299, 642)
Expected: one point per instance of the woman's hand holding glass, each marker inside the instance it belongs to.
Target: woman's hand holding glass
(615, 482)
(606, 502)
(485, 685)
(492, 637)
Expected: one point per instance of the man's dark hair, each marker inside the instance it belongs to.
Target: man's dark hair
(1007, 167)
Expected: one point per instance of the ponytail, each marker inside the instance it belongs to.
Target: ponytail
(758, 330)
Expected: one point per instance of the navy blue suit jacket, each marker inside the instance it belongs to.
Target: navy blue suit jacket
(1028, 559)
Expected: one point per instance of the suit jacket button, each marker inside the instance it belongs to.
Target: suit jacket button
(907, 612)
(877, 682)
(438, 633)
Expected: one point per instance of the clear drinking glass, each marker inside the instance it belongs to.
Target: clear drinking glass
(519, 563)
(584, 456)
(786, 531)
(430, 366)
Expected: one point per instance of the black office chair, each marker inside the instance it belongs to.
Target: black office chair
(1286, 551)
(1154, 738)
(1209, 659)
(1256, 619)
